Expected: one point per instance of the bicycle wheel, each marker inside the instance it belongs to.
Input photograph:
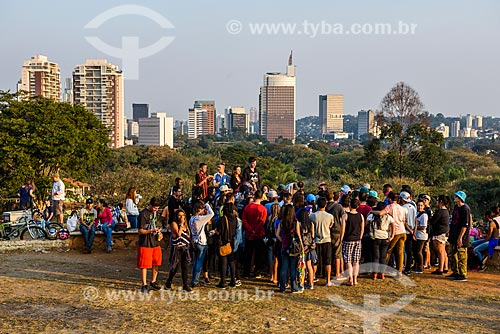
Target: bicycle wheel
(52, 229)
(33, 233)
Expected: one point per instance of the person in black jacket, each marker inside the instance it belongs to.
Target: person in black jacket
(226, 229)
(251, 174)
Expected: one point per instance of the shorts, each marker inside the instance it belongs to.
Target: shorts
(351, 251)
(336, 247)
(148, 257)
(57, 207)
(312, 256)
(440, 238)
(324, 252)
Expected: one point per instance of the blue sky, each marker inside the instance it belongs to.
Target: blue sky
(452, 60)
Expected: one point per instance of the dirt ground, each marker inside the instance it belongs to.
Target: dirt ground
(69, 292)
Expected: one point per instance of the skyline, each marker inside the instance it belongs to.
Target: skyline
(451, 60)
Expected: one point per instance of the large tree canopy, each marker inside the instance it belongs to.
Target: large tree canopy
(39, 136)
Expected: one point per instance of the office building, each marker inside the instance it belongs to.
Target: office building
(236, 118)
(277, 104)
(444, 130)
(157, 130)
(331, 113)
(140, 110)
(455, 129)
(366, 123)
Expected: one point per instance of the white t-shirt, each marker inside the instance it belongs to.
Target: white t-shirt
(59, 190)
(410, 216)
(422, 222)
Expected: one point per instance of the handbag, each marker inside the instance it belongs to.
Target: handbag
(295, 247)
(226, 249)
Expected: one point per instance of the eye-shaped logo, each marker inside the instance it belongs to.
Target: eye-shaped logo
(129, 53)
(371, 311)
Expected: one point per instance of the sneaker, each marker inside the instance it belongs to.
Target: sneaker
(437, 272)
(329, 284)
(155, 286)
(339, 278)
(144, 288)
(187, 288)
(206, 280)
(308, 287)
(418, 272)
(482, 268)
(259, 276)
(315, 280)
(109, 249)
(298, 291)
(221, 286)
(460, 278)
(112, 243)
(452, 276)
(168, 285)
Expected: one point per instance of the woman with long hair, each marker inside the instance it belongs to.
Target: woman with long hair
(275, 249)
(439, 223)
(381, 232)
(353, 224)
(420, 236)
(179, 250)
(131, 207)
(288, 227)
(105, 219)
(235, 178)
(226, 229)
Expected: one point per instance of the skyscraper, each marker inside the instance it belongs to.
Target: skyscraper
(98, 86)
(254, 121)
(67, 95)
(455, 129)
(331, 113)
(209, 106)
(140, 110)
(40, 77)
(157, 130)
(236, 118)
(366, 123)
(277, 104)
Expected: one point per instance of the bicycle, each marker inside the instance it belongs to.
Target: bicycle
(51, 228)
(25, 229)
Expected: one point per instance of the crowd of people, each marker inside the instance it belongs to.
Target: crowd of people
(241, 228)
(297, 240)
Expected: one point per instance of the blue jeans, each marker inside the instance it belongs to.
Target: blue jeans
(199, 256)
(107, 229)
(288, 262)
(479, 246)
(88, 235)
(133, 220)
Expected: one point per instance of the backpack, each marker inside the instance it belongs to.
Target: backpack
(295, 247)
(270, 237)
(120, 223)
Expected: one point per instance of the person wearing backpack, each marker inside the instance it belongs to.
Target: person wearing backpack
(226, 230)
(381, 232)
(289, 231)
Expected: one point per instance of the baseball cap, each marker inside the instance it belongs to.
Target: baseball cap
(345, 189)
(310, 198)
(272, 194)
(373, 193)
(405, 196)
(425, 197)
(322, 184)
(223, 188)
(89, 201)
(460, 194)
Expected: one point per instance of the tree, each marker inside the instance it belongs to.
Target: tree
(39, 136)
(403, 105)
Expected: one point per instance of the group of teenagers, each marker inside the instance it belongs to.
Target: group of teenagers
(233, 221)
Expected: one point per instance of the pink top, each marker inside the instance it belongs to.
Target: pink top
(105, 216)
(399, 214)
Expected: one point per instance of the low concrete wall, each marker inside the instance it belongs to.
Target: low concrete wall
(10, 246)
(495, 260)
(121, 240)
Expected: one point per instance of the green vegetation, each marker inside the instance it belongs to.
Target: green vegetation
(39, 137)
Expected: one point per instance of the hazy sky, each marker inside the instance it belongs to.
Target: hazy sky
(452, 59)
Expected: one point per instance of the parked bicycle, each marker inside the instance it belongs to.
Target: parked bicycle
(51, 228)
(25, 229)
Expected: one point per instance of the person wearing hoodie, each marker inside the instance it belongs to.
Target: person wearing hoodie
(202, 214)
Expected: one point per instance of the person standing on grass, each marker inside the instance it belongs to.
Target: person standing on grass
(202, 179)
(202, 215)
(420, 237)
(254, 219)
(459, 238)
(381, 232)
(149, 254)
(58, 197)
(353, 225)
(439, 230)
(323, 222)
(179, 249)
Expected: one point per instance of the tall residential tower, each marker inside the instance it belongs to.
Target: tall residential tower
(40, 77)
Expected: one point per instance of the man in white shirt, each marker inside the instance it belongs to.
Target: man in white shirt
(411, 217)
(323, 222)
(58, 197)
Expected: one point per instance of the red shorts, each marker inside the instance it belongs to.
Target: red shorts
(149, 257)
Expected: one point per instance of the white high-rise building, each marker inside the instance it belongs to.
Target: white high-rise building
(277, 104)
(331, 113)
(254, 121)
(67, 95)
(157, 130)
(40, 77)
(98, 86)
(468, 121)
(220, 123)
(197, 122)
(477, 122)
(455, 129)
(132, 128)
